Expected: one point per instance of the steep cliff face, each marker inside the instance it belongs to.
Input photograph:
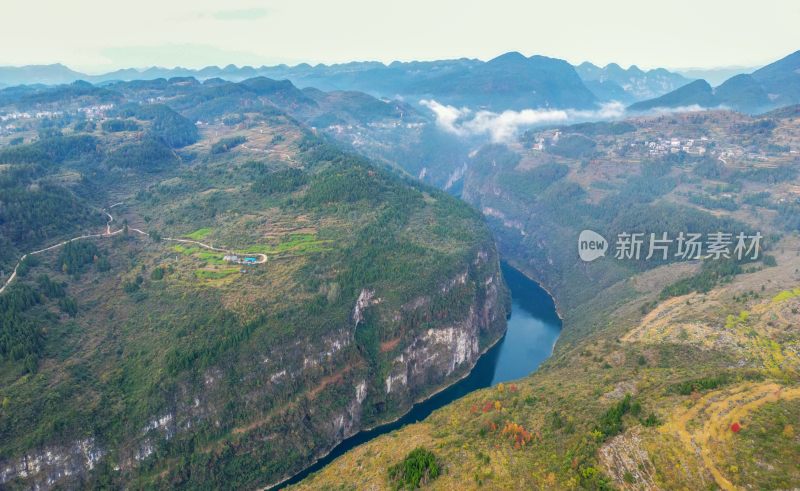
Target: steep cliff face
(438, 354)
(321, 389)
(443, 334)
(48, 466)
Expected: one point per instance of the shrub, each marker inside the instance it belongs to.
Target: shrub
(226, 144)
(532, 183)
(117, 125)
(76, 255)
(69, 306)
(166, 125)
(419, 467)
(711, 273)
(130, 287)
(573, 146)
(611, 422)
(651, 420)
(148, 154)
(556, 421)
(709, 168)
(50, 288)
(282, 181)
(709, 383)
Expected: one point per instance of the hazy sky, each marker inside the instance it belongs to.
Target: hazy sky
(100, 35)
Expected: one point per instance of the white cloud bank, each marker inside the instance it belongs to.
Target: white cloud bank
(504, 126)
(694, 108)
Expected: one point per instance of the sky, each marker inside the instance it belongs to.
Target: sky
(101, 35)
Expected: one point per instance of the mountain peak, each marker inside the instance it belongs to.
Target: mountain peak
(698, 84)
(698, 92)
(510, 57)
(786, 64)
(635, 70)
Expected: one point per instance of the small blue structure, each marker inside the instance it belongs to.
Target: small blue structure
(232, 258)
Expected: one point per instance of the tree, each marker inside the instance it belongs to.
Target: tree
(419, 467)
(226, 144)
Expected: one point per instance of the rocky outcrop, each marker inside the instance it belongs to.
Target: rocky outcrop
(365, 299)
(48, 466)
(444, 353)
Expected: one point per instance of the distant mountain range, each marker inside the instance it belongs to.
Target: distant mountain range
(775, 85)
(510, 81)
(39, 74)
(613, 82)
(715, 76)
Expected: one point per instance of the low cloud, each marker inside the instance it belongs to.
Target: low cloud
(504, 126)
(682, 109)
(447, 117)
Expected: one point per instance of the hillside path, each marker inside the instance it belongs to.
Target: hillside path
(262, 258)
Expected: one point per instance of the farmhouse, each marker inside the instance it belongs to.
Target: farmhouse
(236, 259)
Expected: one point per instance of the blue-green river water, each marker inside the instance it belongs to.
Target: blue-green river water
(533, 329)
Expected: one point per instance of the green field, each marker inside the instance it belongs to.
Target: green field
(294, 244)
(200, 233)
(205, 274)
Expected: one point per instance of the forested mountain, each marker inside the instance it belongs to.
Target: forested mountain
(697, 93)
(26, 97)
(241, 294)
(781, 80)
(39, 74)
(770, 87)
(612, 82)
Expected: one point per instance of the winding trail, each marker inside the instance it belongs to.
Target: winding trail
(262, 258)
(704, 427)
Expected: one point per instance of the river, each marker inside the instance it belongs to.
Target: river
(532, 331)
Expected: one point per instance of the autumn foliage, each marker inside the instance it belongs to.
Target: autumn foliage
(517, 434)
